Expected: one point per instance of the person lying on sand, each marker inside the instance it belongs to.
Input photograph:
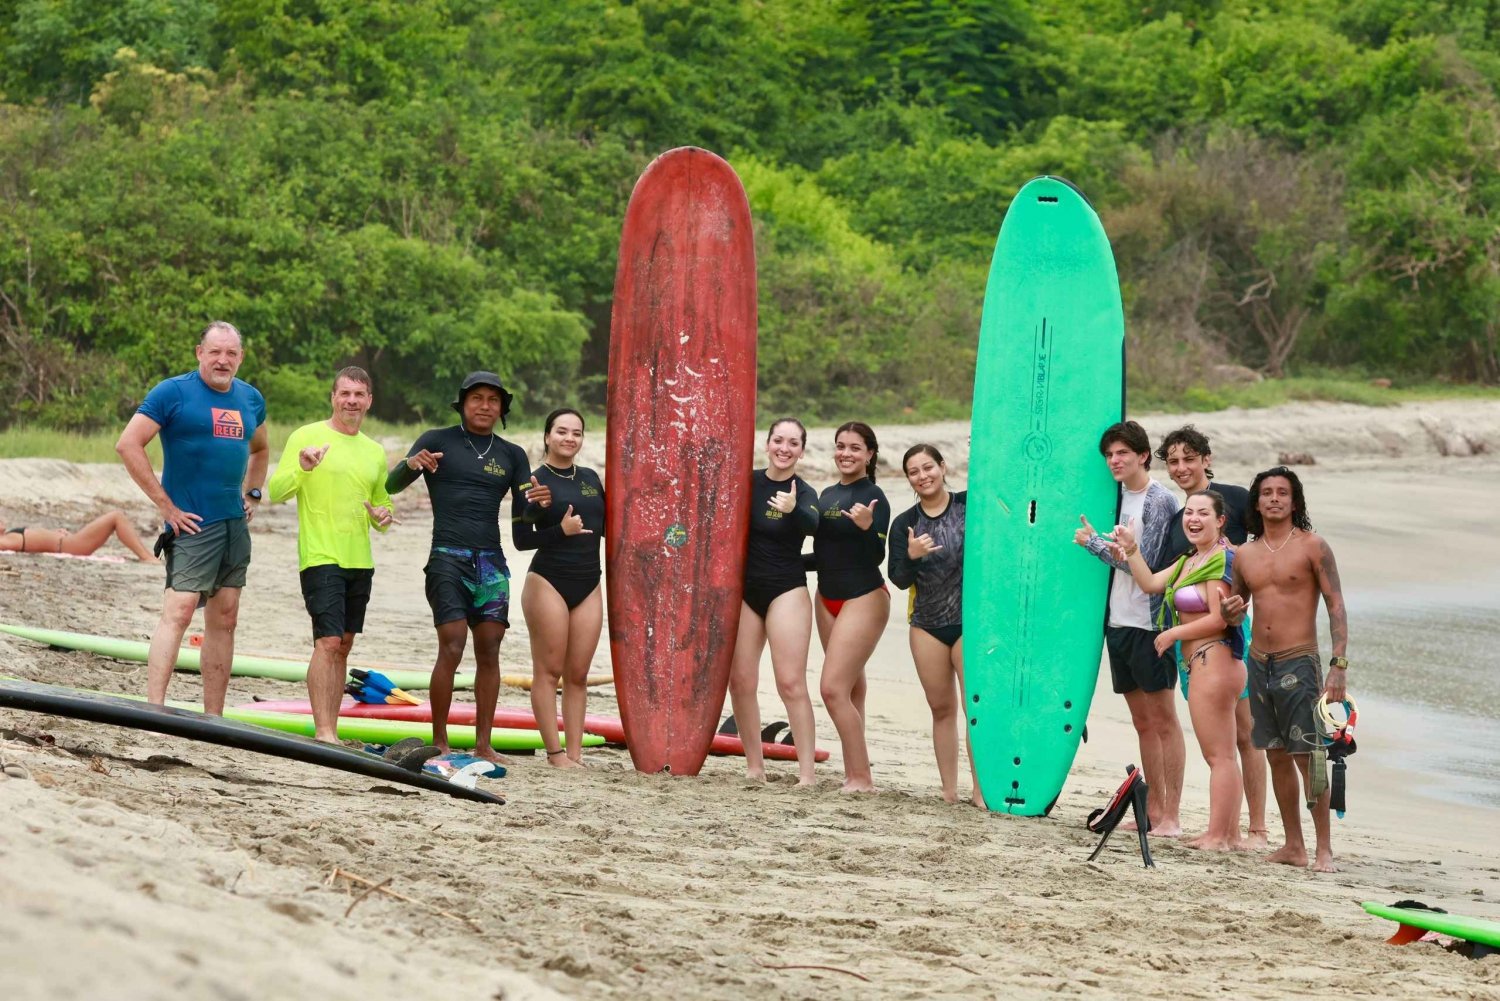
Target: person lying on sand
(84, 542)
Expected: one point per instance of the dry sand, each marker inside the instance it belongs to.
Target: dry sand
(138, 866)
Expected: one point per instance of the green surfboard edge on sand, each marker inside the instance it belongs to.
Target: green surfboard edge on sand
(1469, 929)
(386, 731)
(1049, 379)
(187, 658)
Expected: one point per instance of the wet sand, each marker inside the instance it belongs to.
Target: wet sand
(140, 866)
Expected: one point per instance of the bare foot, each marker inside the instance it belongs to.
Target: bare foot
(147, 559)
(1289, 855)
(326, 738)
(806, 782)
(491, 755)
(1324, 862)
(557, 759)
(1166, 829)
(857, 786)
(950, 797)
(1205, 843)
(978, 800)
(1257, 840)
(755, 775)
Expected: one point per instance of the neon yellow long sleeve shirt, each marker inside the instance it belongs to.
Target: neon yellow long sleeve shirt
(333, 526)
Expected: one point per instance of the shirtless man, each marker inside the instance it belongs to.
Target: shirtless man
(1283, 571)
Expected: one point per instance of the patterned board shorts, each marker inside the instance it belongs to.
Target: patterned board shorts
(1284, 692)
(468, 584)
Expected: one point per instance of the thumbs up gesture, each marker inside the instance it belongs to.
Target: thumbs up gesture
(539, 494)
(784, 501)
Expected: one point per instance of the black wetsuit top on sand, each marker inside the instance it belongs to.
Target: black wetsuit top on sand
(774, 555)
(471, 481)
(849, 558)
(1236, 501)
(559, 555)
(939, 576)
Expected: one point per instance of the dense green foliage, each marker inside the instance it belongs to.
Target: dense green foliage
(428, 186)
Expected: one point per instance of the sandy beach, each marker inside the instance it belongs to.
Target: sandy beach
(140, 866)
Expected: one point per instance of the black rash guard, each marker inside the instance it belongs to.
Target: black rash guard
(848, 558)
(568, 557)
(471, 480)
(1236, 500)
(775, 552)
(938, 577)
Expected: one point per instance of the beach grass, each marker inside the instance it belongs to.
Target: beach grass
(1313, 388)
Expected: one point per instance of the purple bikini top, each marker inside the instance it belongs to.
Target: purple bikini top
(1191, 600)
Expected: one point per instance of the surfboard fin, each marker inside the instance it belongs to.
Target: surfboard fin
(1406, 934)
(375, 688)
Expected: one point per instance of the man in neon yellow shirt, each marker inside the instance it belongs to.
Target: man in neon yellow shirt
(337, 476)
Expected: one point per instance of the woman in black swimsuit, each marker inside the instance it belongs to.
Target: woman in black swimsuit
(783, 512)
(853, 602)
(561, 601)
(927, 556)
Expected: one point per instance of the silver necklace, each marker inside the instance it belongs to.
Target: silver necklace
(572, 475)
(477, 453)
(1279, 548)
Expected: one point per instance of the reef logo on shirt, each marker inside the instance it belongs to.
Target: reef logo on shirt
(588, 490)
(494, 468)
(228, 424)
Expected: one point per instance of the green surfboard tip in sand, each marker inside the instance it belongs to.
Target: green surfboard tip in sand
(1049, 379)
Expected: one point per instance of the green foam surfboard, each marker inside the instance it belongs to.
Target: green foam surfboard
(187, 658)
(1049, 380)
(385, 731)
(1456, 925)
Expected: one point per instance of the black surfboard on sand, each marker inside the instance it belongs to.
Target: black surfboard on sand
(95, 707)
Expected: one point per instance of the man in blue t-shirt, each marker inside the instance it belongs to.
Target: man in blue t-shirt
(214, 454)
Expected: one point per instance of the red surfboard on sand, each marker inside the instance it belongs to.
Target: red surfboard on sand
(513, 717)
(681, 430)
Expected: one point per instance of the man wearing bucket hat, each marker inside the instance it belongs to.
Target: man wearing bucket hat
(468, 470)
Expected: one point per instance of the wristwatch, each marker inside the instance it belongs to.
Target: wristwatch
(254, 494)
(1339, 662)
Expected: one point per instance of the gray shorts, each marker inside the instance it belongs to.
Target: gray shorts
(1284, 692)
(215, 557)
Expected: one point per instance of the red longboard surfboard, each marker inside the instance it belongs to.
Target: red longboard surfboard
(681, 429)
(516, 718)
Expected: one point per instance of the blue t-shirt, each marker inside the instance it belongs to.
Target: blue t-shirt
(205, 442)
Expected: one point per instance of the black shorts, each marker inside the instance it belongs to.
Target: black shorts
(336, 598)
(1134, 663)
(946, 635)
(573, 590)
(1284, 692)
(759, 594)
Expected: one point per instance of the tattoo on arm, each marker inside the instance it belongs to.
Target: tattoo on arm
(1237, 583)
(1333, 598)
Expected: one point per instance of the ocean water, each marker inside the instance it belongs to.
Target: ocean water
(1426, 671)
